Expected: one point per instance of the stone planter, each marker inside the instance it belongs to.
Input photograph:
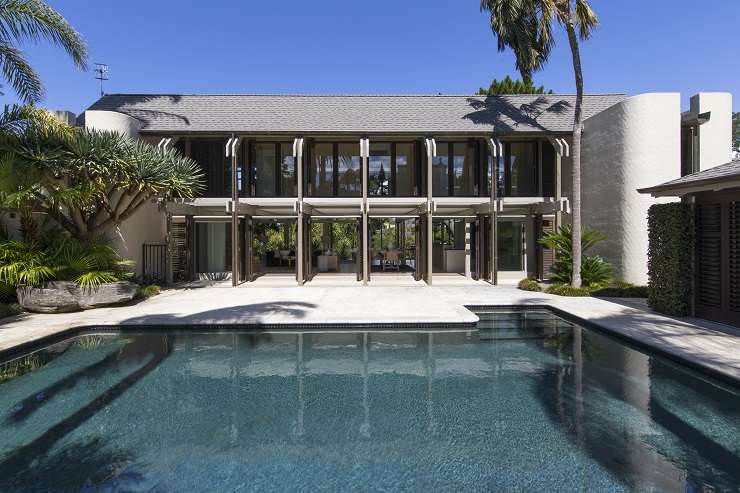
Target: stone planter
(67, 296)
(111, 293)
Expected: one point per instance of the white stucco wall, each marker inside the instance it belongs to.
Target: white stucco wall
(146, 226)
(113, 121)
(633, 144)
(715, 136)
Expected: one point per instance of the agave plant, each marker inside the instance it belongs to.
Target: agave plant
(594, 269)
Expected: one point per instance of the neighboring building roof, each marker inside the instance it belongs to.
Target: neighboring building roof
(723, 176)
(353, 114)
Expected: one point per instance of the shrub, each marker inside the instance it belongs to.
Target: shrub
(529, 284)
(60, 257)
(621, 289)
(148, 291)
(670, 258)
(594, 269)
(567, 290)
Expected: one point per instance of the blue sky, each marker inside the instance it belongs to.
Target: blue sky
(384, 46)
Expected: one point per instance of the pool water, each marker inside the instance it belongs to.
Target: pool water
(527, 403)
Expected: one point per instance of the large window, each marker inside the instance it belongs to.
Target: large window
(209, 154)
(321, 179)
(349, 170)
(379, 170)
(406, 171)
(274, 170)
(521, 169)
(392, 170)
(335, 170)
(440, 171)
(454, 170)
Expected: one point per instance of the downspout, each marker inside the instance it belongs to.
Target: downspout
(231, 153)
(364, 156)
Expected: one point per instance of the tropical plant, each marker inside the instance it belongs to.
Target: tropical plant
(507, 85)
(594, 269)
(526, 26)
(88, 181)
(33, 20)
(63, 258)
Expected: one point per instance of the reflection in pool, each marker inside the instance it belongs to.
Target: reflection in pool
(529, 403)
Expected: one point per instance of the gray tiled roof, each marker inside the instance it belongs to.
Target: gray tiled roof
(723, 172)
(353, 114)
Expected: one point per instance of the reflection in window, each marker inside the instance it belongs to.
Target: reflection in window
(322, 170)
(405, 164)
(522, 169)
(287, 171)
(463, 170)
(440, 172)
(264, 169)
(349, 170)
(510, 246)
(213, 247)
(379, 170)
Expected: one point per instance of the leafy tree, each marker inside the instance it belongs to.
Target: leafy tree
(594, 270)
(87, 181)
(736, 133)
(31, 21)
(507, 85)
(526, 27)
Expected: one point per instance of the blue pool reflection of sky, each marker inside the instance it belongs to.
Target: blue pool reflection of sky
(533, 404)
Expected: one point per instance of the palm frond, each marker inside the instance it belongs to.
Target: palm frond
(34, 20)
(19, 74)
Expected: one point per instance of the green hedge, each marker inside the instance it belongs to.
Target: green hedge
(670, 258)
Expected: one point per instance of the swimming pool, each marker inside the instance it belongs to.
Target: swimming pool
(529, 402)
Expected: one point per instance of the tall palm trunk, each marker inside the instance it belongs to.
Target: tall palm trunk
(576, 151)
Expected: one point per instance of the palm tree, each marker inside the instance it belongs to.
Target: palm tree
(526, 26)
(33, 20)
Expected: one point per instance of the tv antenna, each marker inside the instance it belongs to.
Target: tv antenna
(101, 73)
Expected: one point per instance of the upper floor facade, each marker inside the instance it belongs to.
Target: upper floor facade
(415, 146)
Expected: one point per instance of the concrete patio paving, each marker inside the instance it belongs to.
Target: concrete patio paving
(713, 347)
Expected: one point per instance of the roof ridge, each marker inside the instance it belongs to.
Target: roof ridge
(334, 95)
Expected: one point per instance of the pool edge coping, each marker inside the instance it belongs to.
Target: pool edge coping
(18, 350)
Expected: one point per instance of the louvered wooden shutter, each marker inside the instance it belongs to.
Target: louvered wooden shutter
(708, 255)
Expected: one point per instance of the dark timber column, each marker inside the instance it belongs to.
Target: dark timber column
(190, 246)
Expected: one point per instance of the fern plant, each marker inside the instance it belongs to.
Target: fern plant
(62, 258)
(594, 269)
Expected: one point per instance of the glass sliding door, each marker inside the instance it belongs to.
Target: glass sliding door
(405, 170)
(321, 171)
(379, 170)
(287, 171)
(522, 169)
(349, 170)
(463, 170)
(264, 169)
(440, 171)
(213, 249)
(511, 249)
